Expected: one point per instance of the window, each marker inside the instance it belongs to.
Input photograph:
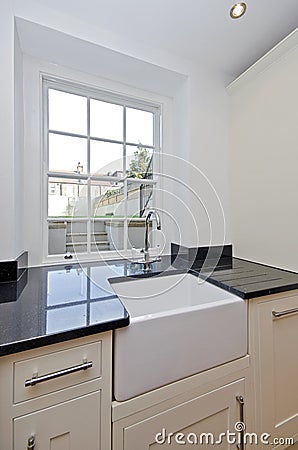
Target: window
(100, 169)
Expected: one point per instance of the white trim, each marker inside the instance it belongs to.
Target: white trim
(280, 50)
(125, 223)
(45, 165)
(68, 176)
(108, 255)
(89, 229)
(109, 96)
(94, 138)
(141, 180)
(67, 219)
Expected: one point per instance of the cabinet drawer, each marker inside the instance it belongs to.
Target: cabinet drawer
(54, 365)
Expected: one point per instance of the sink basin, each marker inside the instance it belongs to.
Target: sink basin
(179, 326)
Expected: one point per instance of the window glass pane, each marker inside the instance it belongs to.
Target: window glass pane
(67, 154)
(107, 235)
(107, 200)
(106, 120)
(67, 112)
(99, 237)
(57, 240)
(67, 198)
(139, 162)
(67, 236)
(139, 197)
(136, 234)
(139, 126)
(115, 233)
(106, 158)
(76, 237)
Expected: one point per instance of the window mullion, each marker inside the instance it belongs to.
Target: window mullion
(125, 228)
(124, 141)
(89, 181)
(156, 167)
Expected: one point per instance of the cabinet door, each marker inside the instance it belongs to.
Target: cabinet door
(73, 425)
(277, 379)
(215, 412)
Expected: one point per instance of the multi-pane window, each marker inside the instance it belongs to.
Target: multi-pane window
(101, 165)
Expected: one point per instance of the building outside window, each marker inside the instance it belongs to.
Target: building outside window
(101, 164)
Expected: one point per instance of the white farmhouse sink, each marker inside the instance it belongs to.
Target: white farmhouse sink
(179, 326)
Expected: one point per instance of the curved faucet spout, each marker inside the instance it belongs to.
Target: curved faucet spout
(149, 214)
(154, 213)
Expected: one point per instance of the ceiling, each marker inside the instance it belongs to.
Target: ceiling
(194, 29)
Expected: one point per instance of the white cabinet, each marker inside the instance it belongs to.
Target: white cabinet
(198, 411)
(198, 421)
(58, 397)
(274, 350)
(70, 425)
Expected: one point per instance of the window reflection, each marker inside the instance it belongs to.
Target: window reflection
(65, 287)
(99, 285)
(81, 296)
(61, 319)
(105, 310)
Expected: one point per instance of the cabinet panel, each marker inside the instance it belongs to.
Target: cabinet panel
(215, 412)
(72, 425)
(52, 362)
(278, 367)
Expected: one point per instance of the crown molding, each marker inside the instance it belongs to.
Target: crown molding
(288, 44)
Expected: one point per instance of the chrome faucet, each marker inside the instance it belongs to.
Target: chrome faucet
(149, 214)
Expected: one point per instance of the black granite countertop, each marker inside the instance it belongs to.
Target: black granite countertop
(57, 303)
(248, 279)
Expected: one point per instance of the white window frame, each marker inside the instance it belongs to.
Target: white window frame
(49, 82)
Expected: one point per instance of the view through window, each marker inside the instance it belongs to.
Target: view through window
(101, 152)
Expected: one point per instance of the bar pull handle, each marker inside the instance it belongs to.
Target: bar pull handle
(277, 314)
(60, 373)
(240, 426)
(31, 443)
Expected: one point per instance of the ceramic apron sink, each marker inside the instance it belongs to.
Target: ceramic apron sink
(179, 326)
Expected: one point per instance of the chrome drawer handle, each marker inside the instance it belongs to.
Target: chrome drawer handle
(60, 373)
(31, 443)
(240, 400)
(278, 314)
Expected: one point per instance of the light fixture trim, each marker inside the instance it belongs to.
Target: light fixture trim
(238, 10)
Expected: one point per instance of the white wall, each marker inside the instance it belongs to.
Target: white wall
(201, 127)
(264, 159)
(199, 116)
(7, 198)
(209, 155)
(18, 149)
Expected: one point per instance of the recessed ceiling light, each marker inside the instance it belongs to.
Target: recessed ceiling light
(237, 10)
